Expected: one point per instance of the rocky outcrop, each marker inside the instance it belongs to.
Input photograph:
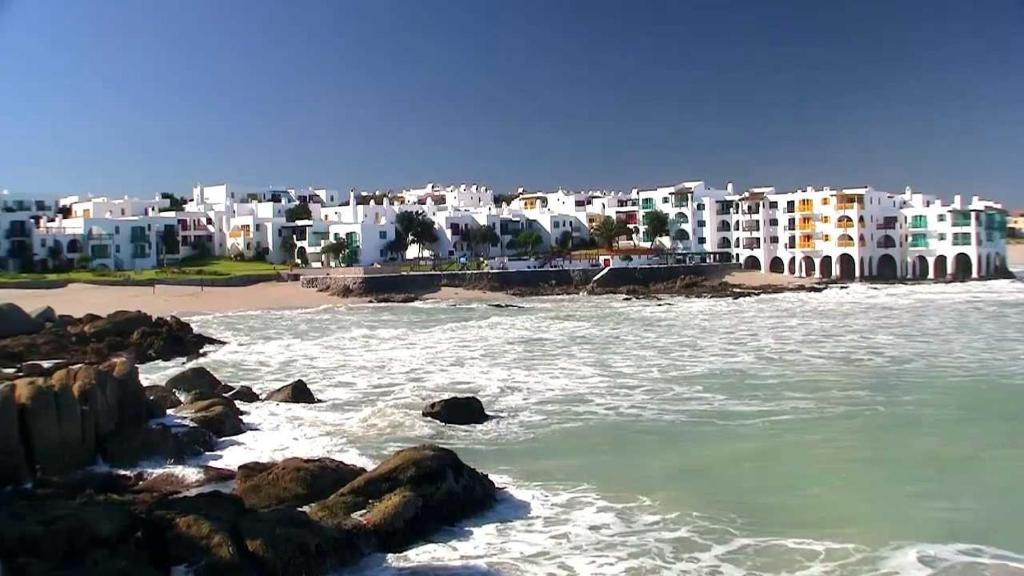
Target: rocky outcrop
(162, 396)
(44, 315)
(243, 394)
(195, 379)
(296, 392)
(54, 425)
(13, 467)
(14, 321)
(460, 410)
(293, 481)
(218, 415)
(93, 338)
(410, 495)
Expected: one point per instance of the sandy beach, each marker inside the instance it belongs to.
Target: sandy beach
(1015, 255)
(78, 299)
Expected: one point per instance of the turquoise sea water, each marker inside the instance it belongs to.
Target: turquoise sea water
(868, 430)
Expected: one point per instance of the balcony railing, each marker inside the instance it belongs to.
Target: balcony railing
(751, 225)
(139, 238)
(885, 226)
(806, 225)
(845, 243)
(805, 207)
(845, 224)
(751, 243)
(848, 205)
(99, 237)
(16, 233)
(805, 244)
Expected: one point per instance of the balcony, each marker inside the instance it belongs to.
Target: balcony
(918, 223)
(751, 225)
(845, 224)
(139, 237)
(16, 232)
(805, 206)
(751, 243)
(919, 243)
(845, 243)
(806, 225)
(99, 237)
(805, 244)
(886, 225)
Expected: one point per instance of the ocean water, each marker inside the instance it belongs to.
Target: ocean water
(866, 430)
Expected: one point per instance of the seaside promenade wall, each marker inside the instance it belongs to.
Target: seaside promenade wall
(205, 281)
(503, 280)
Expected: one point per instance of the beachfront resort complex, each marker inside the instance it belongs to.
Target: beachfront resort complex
(828, 233)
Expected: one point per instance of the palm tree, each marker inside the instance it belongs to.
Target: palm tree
(528, 240)
(288, 247)
(657, 225)
(423, 233)
(334, 250)
(483, 236)
(608, 230)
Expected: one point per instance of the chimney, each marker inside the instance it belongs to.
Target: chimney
(728, 188)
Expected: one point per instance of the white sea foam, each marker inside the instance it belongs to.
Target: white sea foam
(784, 365)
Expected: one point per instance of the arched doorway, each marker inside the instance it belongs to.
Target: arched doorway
(941, 270)
(777, 266)
(300, 255)
(871, 266)
(792, 265)
(962, 267)
(920, 268)
(887, 268)
(724, 244)
(74, 246)
(826, 267)
(886, 241)
(808, 263)
(847, 267)
(751, 263)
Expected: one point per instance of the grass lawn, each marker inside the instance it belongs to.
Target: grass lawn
(213, 267)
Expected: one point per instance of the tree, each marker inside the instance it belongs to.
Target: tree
(334, 251)
(298, 212)
(82, 261)
(415, 228)
(565, 240)
(177, 203)
(608, 230)
(657, 225)
(169, 240)
(483, 236)
(528, 240)
(398, 246)
(288, 248)
(55, 253)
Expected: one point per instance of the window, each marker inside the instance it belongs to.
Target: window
(555, 225)
(826, 219)
(664, 200)
(919, 221)
(790, 206)
(701, 240)
(383, 235)
(42, 242)
(942, 217)
(962, 239)
(117, 248)
(773, 205)
(773, 221)
(825, 201)
(647, 204)
(383, 253)
(774, 239)
(700, 223)
(942, 236)
(825, 237)
(117, 229)
(700, 206)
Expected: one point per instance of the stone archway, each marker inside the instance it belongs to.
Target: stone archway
(752, 263)
(792, 266)
(777, 266)
(963, 268)
(826, 267)
(920, 269)
(847, 267)
(808, 265)
(887, 268)
(941, 268)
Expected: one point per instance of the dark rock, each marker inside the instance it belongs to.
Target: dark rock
(220, 416)
(198, 532)
(293, 481)
(195, 379)
(296, 392)
(15, 322)
(163, 396)
(56, 439)
(42, 534)
(410, 495)
(173, 482)
(286, 541)
(244, 394)
(122, 323)
(224, 390)
(394, 299)
(44, 314)
(13, 467)
(459, 410)
(31, 369)
(157, 443)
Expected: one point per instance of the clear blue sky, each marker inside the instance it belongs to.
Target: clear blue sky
(139, 96)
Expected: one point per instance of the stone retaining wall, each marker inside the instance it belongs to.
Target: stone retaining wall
(501, 280)
(239, 280)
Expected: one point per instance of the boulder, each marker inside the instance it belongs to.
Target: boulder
(173, 482)
(219, 415)
(58, 434)
(410, 495)
(162, 396)
(195, 379)
(296, 392)
(44, 314)
(460, 410)
(13, 468)
(14, 321)
(286, 541)
(160, 443)
(244, 394)
(197, 532)
(121, 323)
(292, 482)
